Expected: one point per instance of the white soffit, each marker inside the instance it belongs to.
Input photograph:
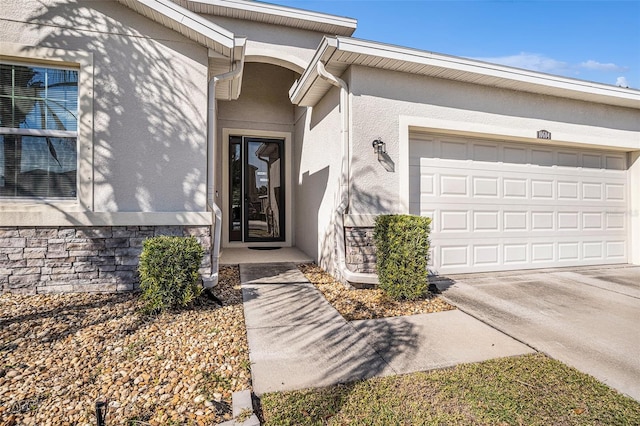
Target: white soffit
(274, 14)
(338, 53)
(185, 22)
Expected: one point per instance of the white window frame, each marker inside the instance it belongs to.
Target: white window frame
(59, 58)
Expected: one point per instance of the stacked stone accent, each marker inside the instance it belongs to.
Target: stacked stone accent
(81, 259)
(360, 249)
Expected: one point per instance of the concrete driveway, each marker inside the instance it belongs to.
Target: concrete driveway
(587, 317)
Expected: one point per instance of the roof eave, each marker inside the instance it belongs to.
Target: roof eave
(300, 89)
(332, 24)
(187, 23)
(468, 70)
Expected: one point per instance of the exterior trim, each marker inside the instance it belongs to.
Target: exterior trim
(53, 217)
(274, 14)
(401, 59)
(83, 61)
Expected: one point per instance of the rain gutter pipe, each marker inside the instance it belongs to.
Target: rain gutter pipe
(216, 213)
(343, 207)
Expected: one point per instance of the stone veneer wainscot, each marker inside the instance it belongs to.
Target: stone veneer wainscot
(360, 249)
(81, 259)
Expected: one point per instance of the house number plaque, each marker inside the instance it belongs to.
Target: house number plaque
(544, 134)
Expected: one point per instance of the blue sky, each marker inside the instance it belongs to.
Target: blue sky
(588, 40)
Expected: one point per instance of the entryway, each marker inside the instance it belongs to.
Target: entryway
(256, 188)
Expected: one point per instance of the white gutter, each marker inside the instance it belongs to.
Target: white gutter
(216, 228)
(343, 207)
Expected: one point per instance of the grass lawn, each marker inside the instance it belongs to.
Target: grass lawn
(525, 390)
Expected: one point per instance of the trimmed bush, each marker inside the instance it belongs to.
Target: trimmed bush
(169, 272)
(402, 250)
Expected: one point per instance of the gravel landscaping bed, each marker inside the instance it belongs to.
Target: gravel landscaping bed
(368, 303)
(61, 353)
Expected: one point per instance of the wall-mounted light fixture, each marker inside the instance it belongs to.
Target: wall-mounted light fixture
(378, 147)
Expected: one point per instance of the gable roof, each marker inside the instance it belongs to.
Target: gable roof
(338, 53)
(224, 47)
(274, 14)
(185, 22)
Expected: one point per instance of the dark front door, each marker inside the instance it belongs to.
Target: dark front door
(256, 183)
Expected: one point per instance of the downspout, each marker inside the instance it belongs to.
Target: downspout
(346, 274)
(216, 213)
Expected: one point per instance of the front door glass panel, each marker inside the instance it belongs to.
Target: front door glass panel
(256, 189)
(236, 190)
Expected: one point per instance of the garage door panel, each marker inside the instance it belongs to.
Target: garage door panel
(486, 152)
(500, 206)
(615, 221)
(486, 255)
(568, 190)
(614, 192)
(485, 186)
(542, 158)
(453, 185)
(542, 221)
(515, 155)
(456, 188)
(453, 150)
(483, 217)
(454, 221)
(484, 221)
(542, 252)
(592, 220)
(592, 191)
(615, 162)
(616, 249)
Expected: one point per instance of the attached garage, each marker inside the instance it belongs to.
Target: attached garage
(500, 205)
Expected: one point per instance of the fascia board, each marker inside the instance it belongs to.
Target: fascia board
(238, 56)
(283, 11)
(364, 47)
(215, 33)
(308, 78)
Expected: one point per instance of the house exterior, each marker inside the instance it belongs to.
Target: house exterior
(249, 124)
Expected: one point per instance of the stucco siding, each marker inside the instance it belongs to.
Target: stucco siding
(263, 102)
(270, 43)
(149, 100)
(318, 156)
(382, 99)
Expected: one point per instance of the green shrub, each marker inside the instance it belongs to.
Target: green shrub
(169, 272)
(402, 249)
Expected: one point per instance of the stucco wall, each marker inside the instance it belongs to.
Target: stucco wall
(380, 98)
(272, 43)
(318, 156)
(264, 100)
(149, 100)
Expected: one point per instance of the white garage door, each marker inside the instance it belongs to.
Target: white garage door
(502, 205)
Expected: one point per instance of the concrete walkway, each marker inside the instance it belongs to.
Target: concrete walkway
(298, 340)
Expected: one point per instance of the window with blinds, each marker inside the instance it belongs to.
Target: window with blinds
(38, 131)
